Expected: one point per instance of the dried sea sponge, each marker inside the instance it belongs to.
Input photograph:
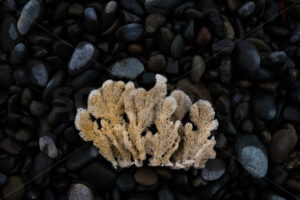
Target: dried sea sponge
(126, 124)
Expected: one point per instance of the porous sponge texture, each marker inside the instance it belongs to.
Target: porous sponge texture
(127, 123)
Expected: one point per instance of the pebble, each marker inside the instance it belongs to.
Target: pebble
(189, 32)
(214, 169)
(295, 36)
(241, 112)
(9, 190)
(291, 113)
(246, 56)
(295, 95)
(153, 22)
(47, 146)
(39, 170)
(82, 57)
(147, 80)
(165, 194)
(82, 157)
(293, 184)
(24, 135)
(125, 182)
(56, 81)
(129, 32)
(39, 73)
(212, 189)
(264, 105)
(109, 14)
(247, 9)
(161, 6)
(283, 142)
(177, 46)
(145, 176)
(6, 78)
(18, 54)
(198, 68)
(133, 6)
(129, 68)
(102, 177)
(225, 70)
(129, 18)
(9, 35)
(76, 9)
(273, 58)
(11, 146)
(172, 66)
(37, 109)
(79, 191)
(224, 46)
(90, 20)
(252, 155)
(29, 15)
(223, 105)
(156, 63)
(203, 37)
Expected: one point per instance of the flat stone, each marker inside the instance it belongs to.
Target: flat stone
(129, 32)
(128, 68)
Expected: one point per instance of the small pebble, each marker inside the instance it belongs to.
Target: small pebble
(125, 182)
(247, 9)
(129, 32)
(48, 146)
(160, 6)
(145, 176)
(128, 68)
(80, 191)
(198, 68)
(214, 169)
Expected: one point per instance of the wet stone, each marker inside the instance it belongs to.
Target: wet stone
(153, 22)
(82, 57)
(30, 13)
(128, 68)
(214, 169)
(252, 155)
(264, 105)
(283, 142)
(129, 32)
(246, 56)
(145, 176)
(80, 191)
(247, 9)
(48, 146)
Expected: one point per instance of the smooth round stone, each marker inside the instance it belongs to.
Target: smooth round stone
(24, 135)
(161, 6)
(109, 14)
(225, 46)
(90, 20)
(247, 9)
(80, 191)
(213, 170)
(125, 182)
(246, 56)
(86, 79)
(6, 78)
(129, 32)
(76, 10)
(133, 6)
(177, 46)
(295, 36)
(165, 194)
(203, 37)
(11, 146)
(172, 66)
(157, 63)
(128, 68)
(264, 105)
(273, 58)
(37, 109)
(102, 177)
(14, 189)
(145, 176)
(57, 80)
(18, 54)
(82, 157)
(198, 68)
(30, 13)
(47, 146)
(81, 58)
(291, 113)
(252, 155)
(9, 35)
(39, 170)
(153, 22)
(39, 73)
(283, 142)
(129, 18)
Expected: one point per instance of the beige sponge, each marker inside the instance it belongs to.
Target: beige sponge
(127, 123)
